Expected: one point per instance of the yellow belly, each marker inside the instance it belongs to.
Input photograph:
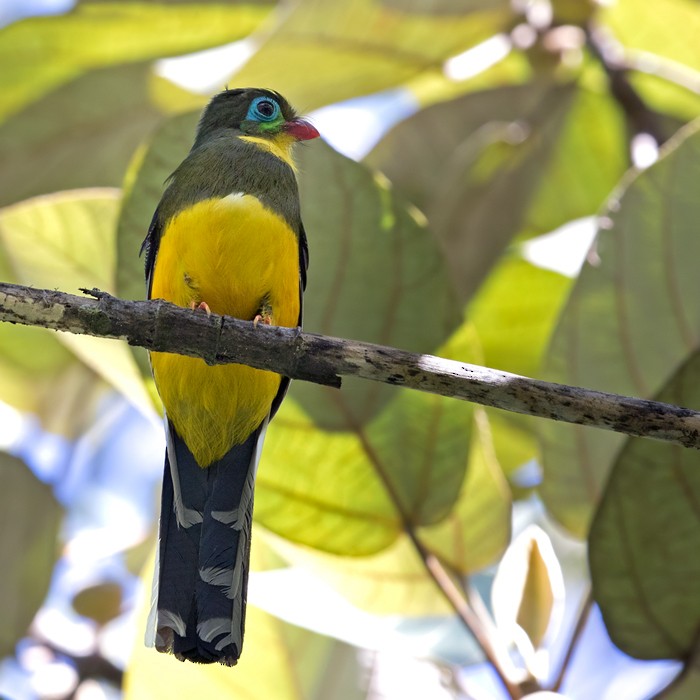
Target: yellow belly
(233, 254)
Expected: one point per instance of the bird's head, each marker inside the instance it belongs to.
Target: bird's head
(253, 112)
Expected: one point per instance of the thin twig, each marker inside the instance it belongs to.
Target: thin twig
(581, 621)
(661, 67)
(640, 118)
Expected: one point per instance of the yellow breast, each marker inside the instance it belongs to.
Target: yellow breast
(233, 254)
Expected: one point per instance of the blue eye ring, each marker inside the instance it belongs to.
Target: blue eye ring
(263, 109)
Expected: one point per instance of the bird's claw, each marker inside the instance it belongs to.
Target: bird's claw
(202, 306)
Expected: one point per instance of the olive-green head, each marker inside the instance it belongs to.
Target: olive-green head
(252, 112)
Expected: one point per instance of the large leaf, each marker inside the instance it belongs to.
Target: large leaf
(645, 539)
(169, 144)
(632, 319)
(514, 314)
(444, 7)
(81, 134)
(328, 490)
(394, 581)
(29, 522)
(46, 51)
(66, 241)
(321, 52)
(49, 381)
(376, 274)
(473, 166)
(279, 661)
(670, 30)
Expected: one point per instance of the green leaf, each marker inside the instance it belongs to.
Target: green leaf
(168, 146)
(590, 157)
(473, 166)
(394, 581)
(444, 7)
(631, 320)
(47, 51)
(376, 274)
(670, 30)
(666, 98)
(391, 582)
(327, 489)
(477, 530)
(514, 314)
(322, 52)
(81, 134)
(645, 539)
(66, 241)
(28, 547)
(47, 381)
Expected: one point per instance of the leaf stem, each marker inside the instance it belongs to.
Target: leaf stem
(581, 621)
(640, 118)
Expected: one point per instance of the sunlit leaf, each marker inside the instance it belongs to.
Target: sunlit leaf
(392, 582)
(322, 52)
(444, 7)
(576, 12)
(670, 30)
(395, 581)
(332, 490)
(632, 319)
(64, 242)
(514, 314)
(590, 157)
(668, 100)
(81, 134)
(47, 51)
(645, 538)
(30, 519)
(477, 530)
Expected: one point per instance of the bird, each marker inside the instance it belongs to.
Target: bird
(226, 238)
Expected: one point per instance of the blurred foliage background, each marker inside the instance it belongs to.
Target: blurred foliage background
(507, 182)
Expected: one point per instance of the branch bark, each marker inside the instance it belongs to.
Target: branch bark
(163, 327)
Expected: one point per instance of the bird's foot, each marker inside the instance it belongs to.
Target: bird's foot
(265, 319)
(264, 314)
(202, 306)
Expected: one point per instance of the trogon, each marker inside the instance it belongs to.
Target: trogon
(226, 238)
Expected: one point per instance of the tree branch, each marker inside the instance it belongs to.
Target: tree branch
(163, 327)
(639, 117)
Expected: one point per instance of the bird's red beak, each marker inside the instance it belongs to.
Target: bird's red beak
(301, 130)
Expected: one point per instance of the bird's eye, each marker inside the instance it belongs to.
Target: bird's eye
(266, 108)
(263, 109)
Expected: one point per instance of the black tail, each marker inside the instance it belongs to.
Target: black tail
(205, 527)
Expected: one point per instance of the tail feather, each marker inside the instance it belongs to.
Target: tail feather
(206, 521)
